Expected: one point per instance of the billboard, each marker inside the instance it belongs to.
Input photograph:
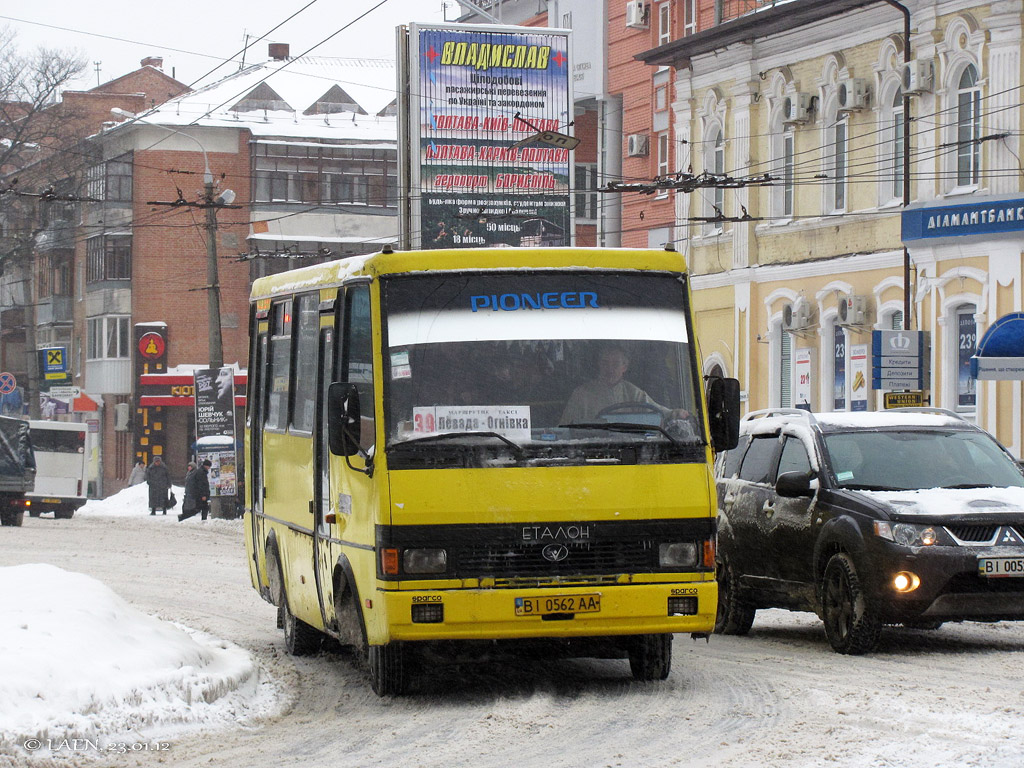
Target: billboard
(475, 96)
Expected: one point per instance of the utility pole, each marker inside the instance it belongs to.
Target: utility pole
(212, 279)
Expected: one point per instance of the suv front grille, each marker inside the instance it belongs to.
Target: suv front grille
(977, 533)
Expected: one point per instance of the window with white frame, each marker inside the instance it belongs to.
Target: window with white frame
(689, 17)
(664, 23)
(586, 192)
(896, 121)
(716, 166)
(663, 154)
(968, 128)
(837, 151)
(108, 337)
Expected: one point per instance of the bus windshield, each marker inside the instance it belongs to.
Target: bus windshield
(545, 367)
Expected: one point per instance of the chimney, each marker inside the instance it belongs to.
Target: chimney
(153, 61)
(279, 51)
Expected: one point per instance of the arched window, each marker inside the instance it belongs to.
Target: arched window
(714, 163)
(897, 144)
(968, 128)
(839, 147)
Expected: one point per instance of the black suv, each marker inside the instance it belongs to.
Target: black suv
(907, 516)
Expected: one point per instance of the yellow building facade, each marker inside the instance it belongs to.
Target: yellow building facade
(798, 249)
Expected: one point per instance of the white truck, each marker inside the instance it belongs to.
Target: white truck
(61, 468)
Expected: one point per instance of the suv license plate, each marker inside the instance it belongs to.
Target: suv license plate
(538, 606)
(1001, 567)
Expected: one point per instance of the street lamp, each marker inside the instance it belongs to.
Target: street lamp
(210, 203)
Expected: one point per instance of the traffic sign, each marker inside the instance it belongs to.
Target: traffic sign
(7, 383)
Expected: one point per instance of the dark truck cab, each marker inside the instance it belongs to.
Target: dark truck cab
(17, 469)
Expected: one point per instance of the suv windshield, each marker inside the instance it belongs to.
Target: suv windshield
(917, 459)
(562, 366)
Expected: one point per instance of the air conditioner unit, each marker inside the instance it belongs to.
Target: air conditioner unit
(796, 108)
(636, 14)
(918, 76)
(796, 317)
(637, 145)
(853, 94)
(853, 310)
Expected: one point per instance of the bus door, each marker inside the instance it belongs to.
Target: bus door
(257, 412)
(324, 553)
(348, 494)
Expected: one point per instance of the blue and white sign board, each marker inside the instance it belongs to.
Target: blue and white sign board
(1000, 353)
(984, 217)
(899, 359)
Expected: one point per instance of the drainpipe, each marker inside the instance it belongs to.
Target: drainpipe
(906, 159)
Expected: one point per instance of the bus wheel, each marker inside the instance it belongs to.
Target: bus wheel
(650, 657)
(735, 616)
(300, 639)
(388, 670)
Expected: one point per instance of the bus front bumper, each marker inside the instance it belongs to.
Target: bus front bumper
(580, 611)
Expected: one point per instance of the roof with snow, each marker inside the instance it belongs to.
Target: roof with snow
(307, 97)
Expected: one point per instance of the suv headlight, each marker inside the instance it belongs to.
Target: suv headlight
(679, 555)
(910, 534)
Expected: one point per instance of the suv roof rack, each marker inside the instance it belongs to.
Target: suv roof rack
(765, 413)
(930, 409)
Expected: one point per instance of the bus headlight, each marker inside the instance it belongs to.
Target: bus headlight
(679, 555)
(425, 561)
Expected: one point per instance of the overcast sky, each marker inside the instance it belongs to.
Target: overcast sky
(193, 36)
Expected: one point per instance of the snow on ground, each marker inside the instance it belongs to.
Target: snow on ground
(133, 501)
(78, 662)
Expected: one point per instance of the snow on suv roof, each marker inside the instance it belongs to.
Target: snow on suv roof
(770, 420)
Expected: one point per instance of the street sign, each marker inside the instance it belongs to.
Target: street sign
(904, 399)
(7, 383)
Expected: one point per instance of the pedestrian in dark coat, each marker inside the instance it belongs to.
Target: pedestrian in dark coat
(197, 492)
(159, 480)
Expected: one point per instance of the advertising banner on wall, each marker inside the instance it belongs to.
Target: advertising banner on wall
(803, 380)
(486, 124)
(859, 377)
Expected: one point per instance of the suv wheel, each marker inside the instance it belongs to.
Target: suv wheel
(735, 615)
(849, 624)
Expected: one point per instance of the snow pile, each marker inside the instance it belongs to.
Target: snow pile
(78, 662)
(133, 501)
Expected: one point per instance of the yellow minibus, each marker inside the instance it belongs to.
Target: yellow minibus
(468, 448)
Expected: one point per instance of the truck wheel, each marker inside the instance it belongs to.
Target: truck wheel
(650, 657)
(63, 514)
(12, 517)
(34, 513)
(850, 625)
(735, 616)
(388, 669)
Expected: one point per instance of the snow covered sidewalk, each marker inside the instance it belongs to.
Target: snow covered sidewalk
(78, 662)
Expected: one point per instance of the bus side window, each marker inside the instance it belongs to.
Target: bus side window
(304, 379)
(357, 360)
(280, 364)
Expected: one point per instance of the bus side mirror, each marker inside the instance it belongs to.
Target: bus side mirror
(724, 413)
(343, 418)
